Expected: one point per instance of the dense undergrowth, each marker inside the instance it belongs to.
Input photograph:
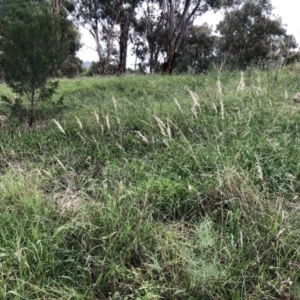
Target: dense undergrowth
(151, 187)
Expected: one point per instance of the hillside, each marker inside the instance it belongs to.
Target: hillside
(152, 187)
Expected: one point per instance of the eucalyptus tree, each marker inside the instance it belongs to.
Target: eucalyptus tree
(250, 34)
(102, 17)
(283, 49)
(181, 15)
(151, 29)
(89, 14)
(124, 14)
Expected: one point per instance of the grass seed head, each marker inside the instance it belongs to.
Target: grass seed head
(259, 85)
(196, 104)
(169, 131)
(82, 138)
(59, 126)
(194, 112)
(166, 143)
(97, 118)
(241, 86)
(107, 122)
(61, 164)
(215, 107)
(178, 105)
(142, 137)
(259, 171)
(114, 102)
(194, 96)
(79, 123)
(161, 125)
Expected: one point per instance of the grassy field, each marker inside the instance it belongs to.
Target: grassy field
(151, 187)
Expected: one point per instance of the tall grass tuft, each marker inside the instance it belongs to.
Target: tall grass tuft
(116, 110)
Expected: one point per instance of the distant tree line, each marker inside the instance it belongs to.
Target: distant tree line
(163, 38)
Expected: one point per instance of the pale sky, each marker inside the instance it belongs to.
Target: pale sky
(288, 10)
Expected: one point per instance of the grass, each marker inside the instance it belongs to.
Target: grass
(154, 187)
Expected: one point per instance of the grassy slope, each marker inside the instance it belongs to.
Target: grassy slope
(143, 198)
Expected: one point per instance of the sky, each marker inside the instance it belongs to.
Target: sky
(288, 10)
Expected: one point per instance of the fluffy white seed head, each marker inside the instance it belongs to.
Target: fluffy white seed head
(59, 126)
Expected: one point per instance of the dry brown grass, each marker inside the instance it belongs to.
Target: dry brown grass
(68, 200)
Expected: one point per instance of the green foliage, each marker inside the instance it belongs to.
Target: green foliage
(196, 50)
(249, 35)
(15, 107)
(71, 67)
(97, 68)
(34, 49)
(150, 38)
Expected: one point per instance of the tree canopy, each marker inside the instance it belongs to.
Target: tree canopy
(249, 34)
(34, 46)
(163, 36)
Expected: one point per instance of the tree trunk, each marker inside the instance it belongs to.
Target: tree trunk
(178, 29)
(124, 26)
(55, 6)
(109, 46)
(107, 61)
(98, 44)
(168, 65)
(1, 69)
(151, 62)
(1, 74)
(31, 110)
